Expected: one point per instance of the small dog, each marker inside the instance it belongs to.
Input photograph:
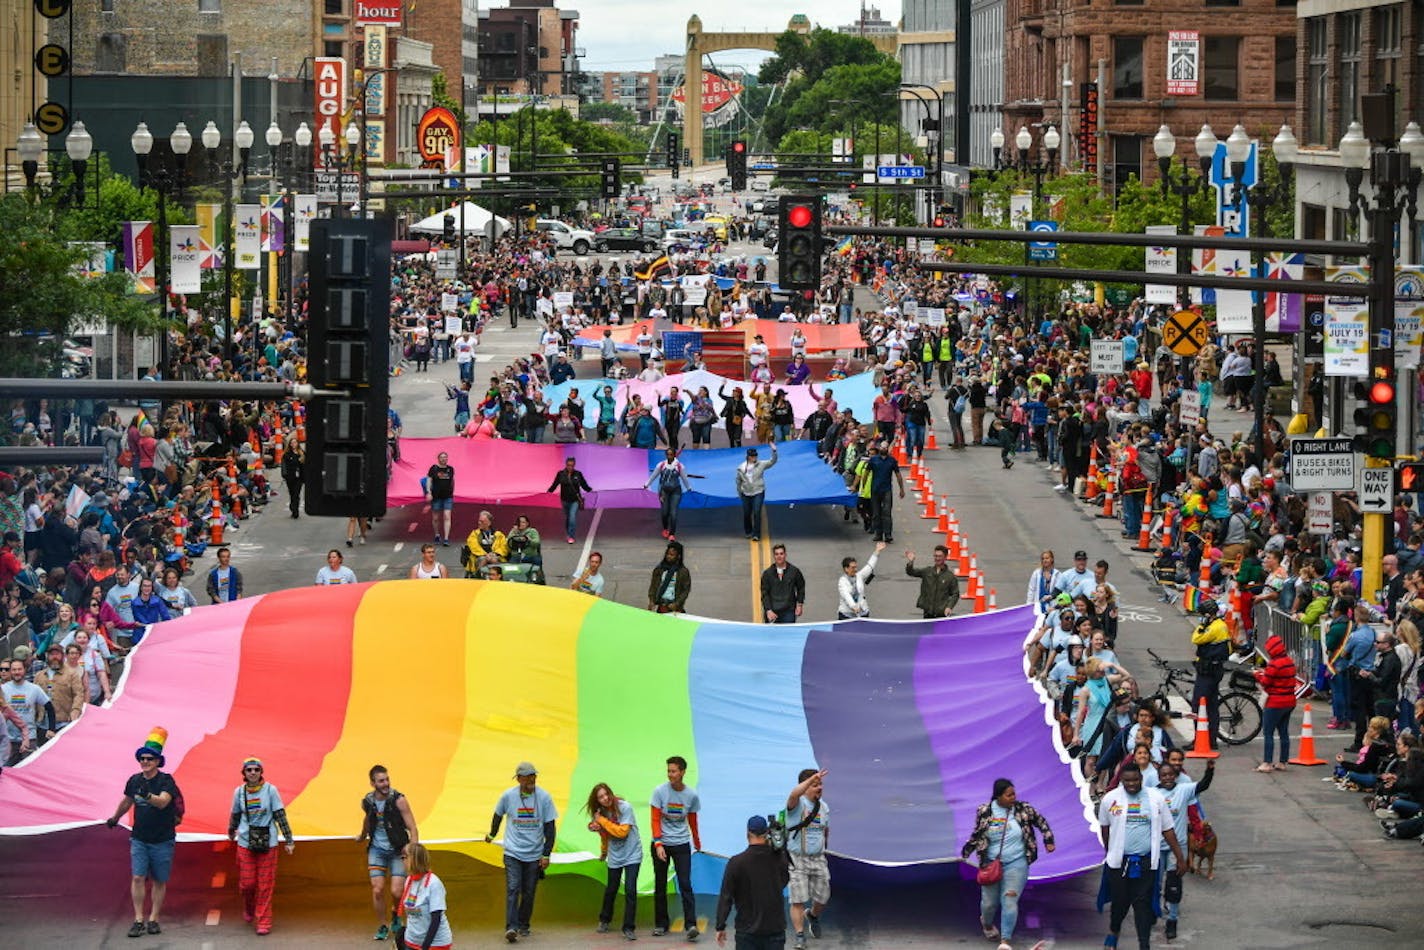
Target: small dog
(1201, 844)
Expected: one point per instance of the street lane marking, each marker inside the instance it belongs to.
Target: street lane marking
(219, 879)
(588, 542)
(382, 569)
(413, 526)
(399, 545)
(214, 916)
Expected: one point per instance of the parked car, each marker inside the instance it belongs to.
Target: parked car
(681, 239)
(770, 239)
(760, 186)
(624, 239)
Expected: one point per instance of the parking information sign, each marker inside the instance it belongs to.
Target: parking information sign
(1322, 465)
(1321, 512)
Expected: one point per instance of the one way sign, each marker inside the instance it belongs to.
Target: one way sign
(1376, 490)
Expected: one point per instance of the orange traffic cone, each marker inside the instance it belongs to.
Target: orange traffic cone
(1307, 742)
(932, 443)
(1144, 536)
(1169, 521)
(215, 520)
(931, 513)
(1202, 749)
(993, 599)
(962, 569)
(301, 424)
(1092, 488)
(898, 452)
(1107, 511)
(943, 524)
(981, 602)
(1204, 581)
(951, 538)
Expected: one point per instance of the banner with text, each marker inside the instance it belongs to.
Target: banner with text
(1161, 260)
(247, 237)
(305, 211)
(185, 271)
(1347, 335)
(274, 231)
(138, 255)
(1408, 315)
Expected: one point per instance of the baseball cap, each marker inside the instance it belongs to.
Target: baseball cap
(1080, 554)
(21, 653)
(525, 768)
(756, 825)
(1063, 600)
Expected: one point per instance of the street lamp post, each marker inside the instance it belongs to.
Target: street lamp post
(1164, 146)
(935, 125)
(165, 181)
(292, 156)
(225, 170)
(78, 145)
(1039, 167)
(1257, 199)
(1394, 168)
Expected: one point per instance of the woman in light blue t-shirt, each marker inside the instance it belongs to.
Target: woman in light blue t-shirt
(612, 819)
(422, 904)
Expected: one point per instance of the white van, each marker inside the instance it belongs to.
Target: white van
(566, 238)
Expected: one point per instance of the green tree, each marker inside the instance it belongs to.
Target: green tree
(606, 112)
(42, 294)
(440, 96)
(832, 80)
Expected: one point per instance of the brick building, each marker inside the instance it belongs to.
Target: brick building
(1246, 67)
(528, 47)
(454, 52)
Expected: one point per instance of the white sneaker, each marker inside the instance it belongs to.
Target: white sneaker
(361, 540)
(1060, 487)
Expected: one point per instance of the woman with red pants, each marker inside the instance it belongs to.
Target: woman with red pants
(256, 807)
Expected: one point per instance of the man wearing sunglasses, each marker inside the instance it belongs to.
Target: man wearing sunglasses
(152, 795)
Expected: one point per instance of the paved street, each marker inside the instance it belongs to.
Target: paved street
(1288, 843)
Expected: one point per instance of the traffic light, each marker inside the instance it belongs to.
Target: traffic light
(674, 152)
(612, 185)
(349, 366)
(737, 164)
(1409, 476)
(1376, 417)
(798, 248)
(447, 227)
(941, 216)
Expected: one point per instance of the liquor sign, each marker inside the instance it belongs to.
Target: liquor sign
(1088, 127)
(374, 62)
(437, 133)
(330, 100)
(1183, 63)
(387, 12)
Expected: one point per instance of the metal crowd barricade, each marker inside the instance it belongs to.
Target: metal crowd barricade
(16, 636)
(1302, 644)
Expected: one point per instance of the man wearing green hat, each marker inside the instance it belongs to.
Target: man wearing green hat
(152, 795)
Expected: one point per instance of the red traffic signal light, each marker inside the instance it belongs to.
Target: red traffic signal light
(1409, 476)
(799, 216)
(739, 146)
(1382, 393)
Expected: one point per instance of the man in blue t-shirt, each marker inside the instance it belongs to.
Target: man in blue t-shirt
(674, 822)
(883, 471)
(528, 842)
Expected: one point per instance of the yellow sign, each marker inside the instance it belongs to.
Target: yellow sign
(1185, 333)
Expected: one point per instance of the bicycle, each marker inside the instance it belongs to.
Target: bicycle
(1238, 711)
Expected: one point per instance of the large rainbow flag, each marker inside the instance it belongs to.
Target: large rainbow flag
(914, 719)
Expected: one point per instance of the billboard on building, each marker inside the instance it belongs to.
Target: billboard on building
(719, 97)
(387, 12)
(437, 136)
(1183, 63)
(330, 100)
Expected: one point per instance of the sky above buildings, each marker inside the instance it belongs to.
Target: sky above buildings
(625, 35)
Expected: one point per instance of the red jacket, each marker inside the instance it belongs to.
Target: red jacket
(1278, 676)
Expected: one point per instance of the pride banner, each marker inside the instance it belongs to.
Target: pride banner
(138, 255)
(914, 719)
(305, 211)
(212, 231)
(185, 272)
(247, 237)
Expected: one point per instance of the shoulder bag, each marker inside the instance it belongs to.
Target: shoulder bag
(993, 872)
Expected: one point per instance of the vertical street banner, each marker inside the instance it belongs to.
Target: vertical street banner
(1183, 63)
(501, 159)
(96, 261)
(247, 237)
(1088, 127)
(1347, 335)
(138, 255)
(185, 270)
(1285, 313)
(1161, 260)
(1408, 315)
(1205, 261)
(330, 96)
(305, 211)
(373, 135)
(212, 228)
(1020, 210)
(274, 231)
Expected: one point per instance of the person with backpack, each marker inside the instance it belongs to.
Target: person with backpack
(158, 808)
(389, 825)
(671, 479)
(256, 807)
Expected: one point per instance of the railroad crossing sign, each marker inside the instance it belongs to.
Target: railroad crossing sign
(1185, 333)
